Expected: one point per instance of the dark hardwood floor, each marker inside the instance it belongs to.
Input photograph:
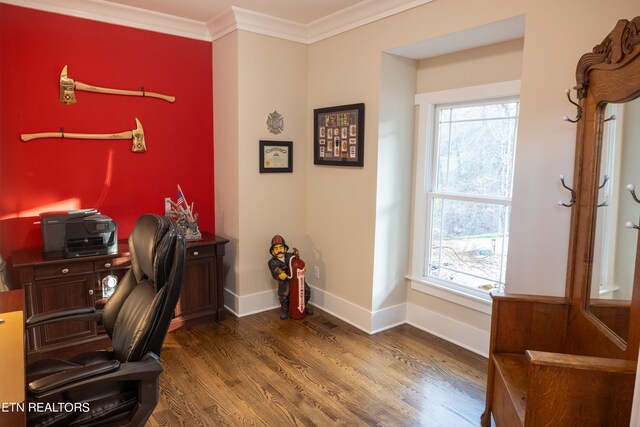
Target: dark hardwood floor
(320, 371)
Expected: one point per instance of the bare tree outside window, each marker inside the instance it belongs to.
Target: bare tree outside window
(470, 199)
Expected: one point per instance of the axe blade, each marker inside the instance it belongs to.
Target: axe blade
(67, 88)
(137, 135)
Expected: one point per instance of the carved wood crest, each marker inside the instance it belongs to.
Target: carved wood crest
(620, 46)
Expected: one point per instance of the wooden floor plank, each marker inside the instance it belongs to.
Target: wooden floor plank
(319, 371)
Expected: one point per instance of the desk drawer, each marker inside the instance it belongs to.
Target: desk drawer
(112, 263)
(201, 252)
(63, 269)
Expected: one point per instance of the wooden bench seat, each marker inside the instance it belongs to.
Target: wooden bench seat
(533, 380)
(511, 382)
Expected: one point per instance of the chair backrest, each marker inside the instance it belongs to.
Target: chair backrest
(138, 314)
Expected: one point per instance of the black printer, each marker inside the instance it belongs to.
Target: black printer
(77, 233)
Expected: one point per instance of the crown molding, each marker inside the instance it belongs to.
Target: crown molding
(355, 16)
(118, 14)
(234, 18)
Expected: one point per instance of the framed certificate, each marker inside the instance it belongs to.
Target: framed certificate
(276, 156)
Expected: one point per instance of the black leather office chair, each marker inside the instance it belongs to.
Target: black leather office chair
(118, 387)
(6, 283)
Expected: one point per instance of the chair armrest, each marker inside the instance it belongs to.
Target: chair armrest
(149, 368)
(84, 313)
(72, 375)
(573, 361)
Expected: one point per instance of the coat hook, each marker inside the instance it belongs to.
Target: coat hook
(579, 114)
(632, 189)
(611, 117)
(573, 194)
(604, 182)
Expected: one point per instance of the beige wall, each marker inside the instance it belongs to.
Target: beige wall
(341, 200)
(346, 69)
(393, 207)
(545, 143)
(498, 62)
(271, 76)
(339, 230)
(225, 126)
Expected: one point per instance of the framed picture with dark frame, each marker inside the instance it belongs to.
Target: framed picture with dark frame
(338, 135)
(276, 156)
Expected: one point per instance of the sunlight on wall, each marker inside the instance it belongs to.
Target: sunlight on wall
(107, 180)
(62, 205)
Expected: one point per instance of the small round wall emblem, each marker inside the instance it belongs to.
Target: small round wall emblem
(275, 123)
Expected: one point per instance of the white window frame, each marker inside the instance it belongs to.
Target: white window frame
(426, 103)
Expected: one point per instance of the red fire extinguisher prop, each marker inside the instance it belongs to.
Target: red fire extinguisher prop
(296, 287)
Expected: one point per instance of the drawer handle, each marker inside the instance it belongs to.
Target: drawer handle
(196, 253)
(65, 270)
(107, 264)
(90, 291)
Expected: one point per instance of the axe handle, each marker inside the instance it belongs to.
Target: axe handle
(122, 135)
(90, 88)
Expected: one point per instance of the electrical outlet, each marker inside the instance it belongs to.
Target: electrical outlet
(316, 272)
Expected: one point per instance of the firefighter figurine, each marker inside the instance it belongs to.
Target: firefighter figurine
(288, 269)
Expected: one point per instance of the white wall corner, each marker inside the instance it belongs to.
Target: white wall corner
(231, 302)
(449, 329)
(355, 315)
(342, 309)
(268, 25)
(222, 24)
(255, 303)
(388, 318)
(235, 18)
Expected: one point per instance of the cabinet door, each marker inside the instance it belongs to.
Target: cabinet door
(61, 294)
(198, 290)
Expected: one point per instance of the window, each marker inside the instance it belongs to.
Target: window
(463, 194)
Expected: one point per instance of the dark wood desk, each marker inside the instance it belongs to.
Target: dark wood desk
(65, 283)
(12, 355)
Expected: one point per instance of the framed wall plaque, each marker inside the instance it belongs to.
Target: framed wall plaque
(276, 156)
(338, 135)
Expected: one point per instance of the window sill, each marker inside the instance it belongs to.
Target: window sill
(481, 303)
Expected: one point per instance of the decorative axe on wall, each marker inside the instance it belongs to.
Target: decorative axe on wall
(136, 135)
(68, 87)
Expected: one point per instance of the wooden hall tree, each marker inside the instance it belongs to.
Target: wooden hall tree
(571, 361)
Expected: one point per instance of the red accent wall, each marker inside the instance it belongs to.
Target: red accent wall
(53, 174)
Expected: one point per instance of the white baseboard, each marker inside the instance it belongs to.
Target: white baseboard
(250, 304)
(388, 318)
(452, 330)
(342, 309)
(231, 302)
(361, 318)
(447, 328)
